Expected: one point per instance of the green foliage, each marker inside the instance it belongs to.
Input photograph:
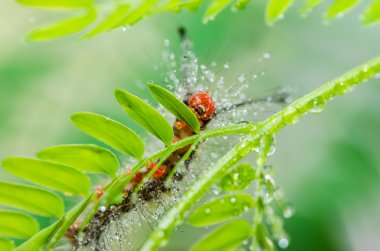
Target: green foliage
(111, 21)
(66, 221)
(339, 7)
(309, 6)
(220, 209)
(138, 13)
(86, 158)
(56, 176)
(145, 115)
(276, 9)
(214, 9)
(62, 28)
(57, 3)
(372, 14)
(227, 237)
(238, 178)
(17, 225)
(175, 106)
(110, 132)
(39, 241)
(6, 245)
(31, 199)
(129, 13)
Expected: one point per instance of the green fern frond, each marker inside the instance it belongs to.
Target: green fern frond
(127, 14)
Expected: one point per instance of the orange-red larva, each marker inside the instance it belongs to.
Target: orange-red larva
(203, 105)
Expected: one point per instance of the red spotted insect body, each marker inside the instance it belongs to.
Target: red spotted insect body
(202, 105)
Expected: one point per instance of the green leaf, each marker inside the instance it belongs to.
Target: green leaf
(31, 199)
(372, 13)
(263, 239)
(110, 132)
(110, 21)
(6, 245)
(137, 14)
(66, 221)
(57, 3)
(221, 209)
(87, 158)
(170, 5)
(175, 106)
(54, 232)
(225, 238)
(62, 28)
(240, 4)
(275, 10)
(59, 177)
(17, 225)
(339, 7)
(39, 241)
(238, 178)
(145, 115)
(309, 7)
(215, 7)
(191, 5)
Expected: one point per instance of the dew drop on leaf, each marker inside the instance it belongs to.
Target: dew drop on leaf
(291, 115)
(288, 212)
(283, 242)
(207, 211)
(318, 105)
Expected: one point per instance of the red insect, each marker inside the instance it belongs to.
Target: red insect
(202, 105)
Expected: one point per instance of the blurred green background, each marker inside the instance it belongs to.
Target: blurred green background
(328, 165)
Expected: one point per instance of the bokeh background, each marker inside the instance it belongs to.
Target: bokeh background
(328, 165)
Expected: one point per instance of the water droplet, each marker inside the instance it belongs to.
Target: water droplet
(233, 200)
(102, 209)
(272, 145)
(318, 105)
(167, 42)
(267, 55)
(226, 66)
(164, 243)
(241, 78)
(291, 115)
(283, 243)
(207, 211)
(288, 212)
(288, 100)
(341, 88)
(123, 28)
(161, 234)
